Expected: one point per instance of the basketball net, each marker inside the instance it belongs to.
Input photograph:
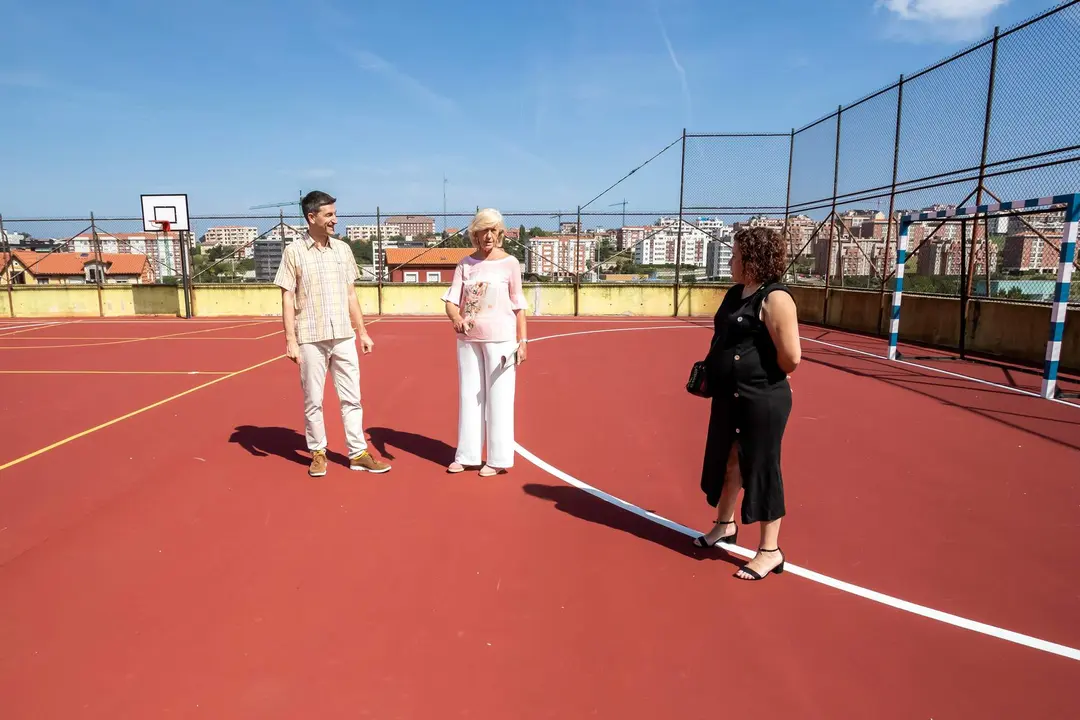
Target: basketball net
(165, 225)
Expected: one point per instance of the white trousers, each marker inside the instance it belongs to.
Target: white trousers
(485, 403)
(340, 358)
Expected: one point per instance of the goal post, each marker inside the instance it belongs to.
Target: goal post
(1068, 204)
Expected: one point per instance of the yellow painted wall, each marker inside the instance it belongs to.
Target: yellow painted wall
(1009, 330)
(625, 300)
(56, 301)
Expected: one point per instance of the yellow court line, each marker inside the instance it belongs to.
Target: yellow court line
(114, 372)
(133, 413)
(126, 340)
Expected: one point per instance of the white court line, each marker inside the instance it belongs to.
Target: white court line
(873, 595)
(943, 372)
(974, 626)
(20, 326)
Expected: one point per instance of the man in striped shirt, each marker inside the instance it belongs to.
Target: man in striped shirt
(319, 310)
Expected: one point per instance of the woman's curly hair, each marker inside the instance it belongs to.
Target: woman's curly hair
(764, 253)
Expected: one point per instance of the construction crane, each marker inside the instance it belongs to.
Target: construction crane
(277, 205)
(623, 203)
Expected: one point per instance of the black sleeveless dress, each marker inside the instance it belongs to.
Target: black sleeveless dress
(750, 405)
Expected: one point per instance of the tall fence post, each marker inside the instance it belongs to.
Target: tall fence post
(678, 232)
(964, 292)
(6, 245)
(378, 256)
(787, 205)
(892, 199)
(982, 171)
(832, 217)
(577, 272)
(95, 243)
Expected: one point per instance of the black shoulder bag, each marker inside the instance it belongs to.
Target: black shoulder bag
(698, 384)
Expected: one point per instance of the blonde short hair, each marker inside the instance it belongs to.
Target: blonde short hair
(488, 218)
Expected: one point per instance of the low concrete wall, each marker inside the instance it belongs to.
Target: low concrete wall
(1012, 331)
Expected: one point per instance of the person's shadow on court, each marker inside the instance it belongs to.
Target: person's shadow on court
(423, 447)
(282, 442)
(590, 508)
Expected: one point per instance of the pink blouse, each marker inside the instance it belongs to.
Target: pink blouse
(488, 292)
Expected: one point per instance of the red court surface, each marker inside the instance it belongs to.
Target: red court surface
(177, 561)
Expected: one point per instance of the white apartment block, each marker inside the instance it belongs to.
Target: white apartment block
(718, 260)
(371, 233)
(660, 247)
(715, 228)
(233, 236)
(560, 255)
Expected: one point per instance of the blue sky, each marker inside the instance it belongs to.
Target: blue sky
(524, 105)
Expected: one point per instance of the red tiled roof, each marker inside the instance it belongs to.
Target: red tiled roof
(74, 263)
(427, 256)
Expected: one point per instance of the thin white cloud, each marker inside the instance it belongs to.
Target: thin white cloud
(678, 68)
(941, 10)
(370, 62)
(952, 21)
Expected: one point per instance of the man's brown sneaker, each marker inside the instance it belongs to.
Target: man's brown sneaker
(365, 463)
(318, 464)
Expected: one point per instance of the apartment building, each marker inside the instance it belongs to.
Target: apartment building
(560, 255)
(238, 239)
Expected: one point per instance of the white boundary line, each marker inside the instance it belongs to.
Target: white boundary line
(873, 595)
(943, 372)
(20, 326)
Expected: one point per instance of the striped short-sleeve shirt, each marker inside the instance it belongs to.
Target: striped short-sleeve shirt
(322, 279)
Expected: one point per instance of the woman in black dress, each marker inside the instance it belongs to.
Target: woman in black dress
(755, 347)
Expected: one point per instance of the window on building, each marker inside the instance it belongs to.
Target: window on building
(434, 276)
(412, 277)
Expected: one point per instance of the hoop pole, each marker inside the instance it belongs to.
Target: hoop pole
(185, 273)
(898, 290)
(1061, 298)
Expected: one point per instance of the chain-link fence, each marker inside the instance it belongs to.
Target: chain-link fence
(992, 123)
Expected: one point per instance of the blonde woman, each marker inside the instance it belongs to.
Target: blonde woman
(486, 305)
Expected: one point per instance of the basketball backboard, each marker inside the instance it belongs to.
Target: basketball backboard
(172, 209)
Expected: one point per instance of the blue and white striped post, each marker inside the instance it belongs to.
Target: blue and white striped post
(898, 289)
(1061, 297)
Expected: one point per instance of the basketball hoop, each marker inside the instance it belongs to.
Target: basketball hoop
(165, 224)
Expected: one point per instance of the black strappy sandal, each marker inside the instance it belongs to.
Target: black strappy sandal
(753, 575)
(729, 539)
